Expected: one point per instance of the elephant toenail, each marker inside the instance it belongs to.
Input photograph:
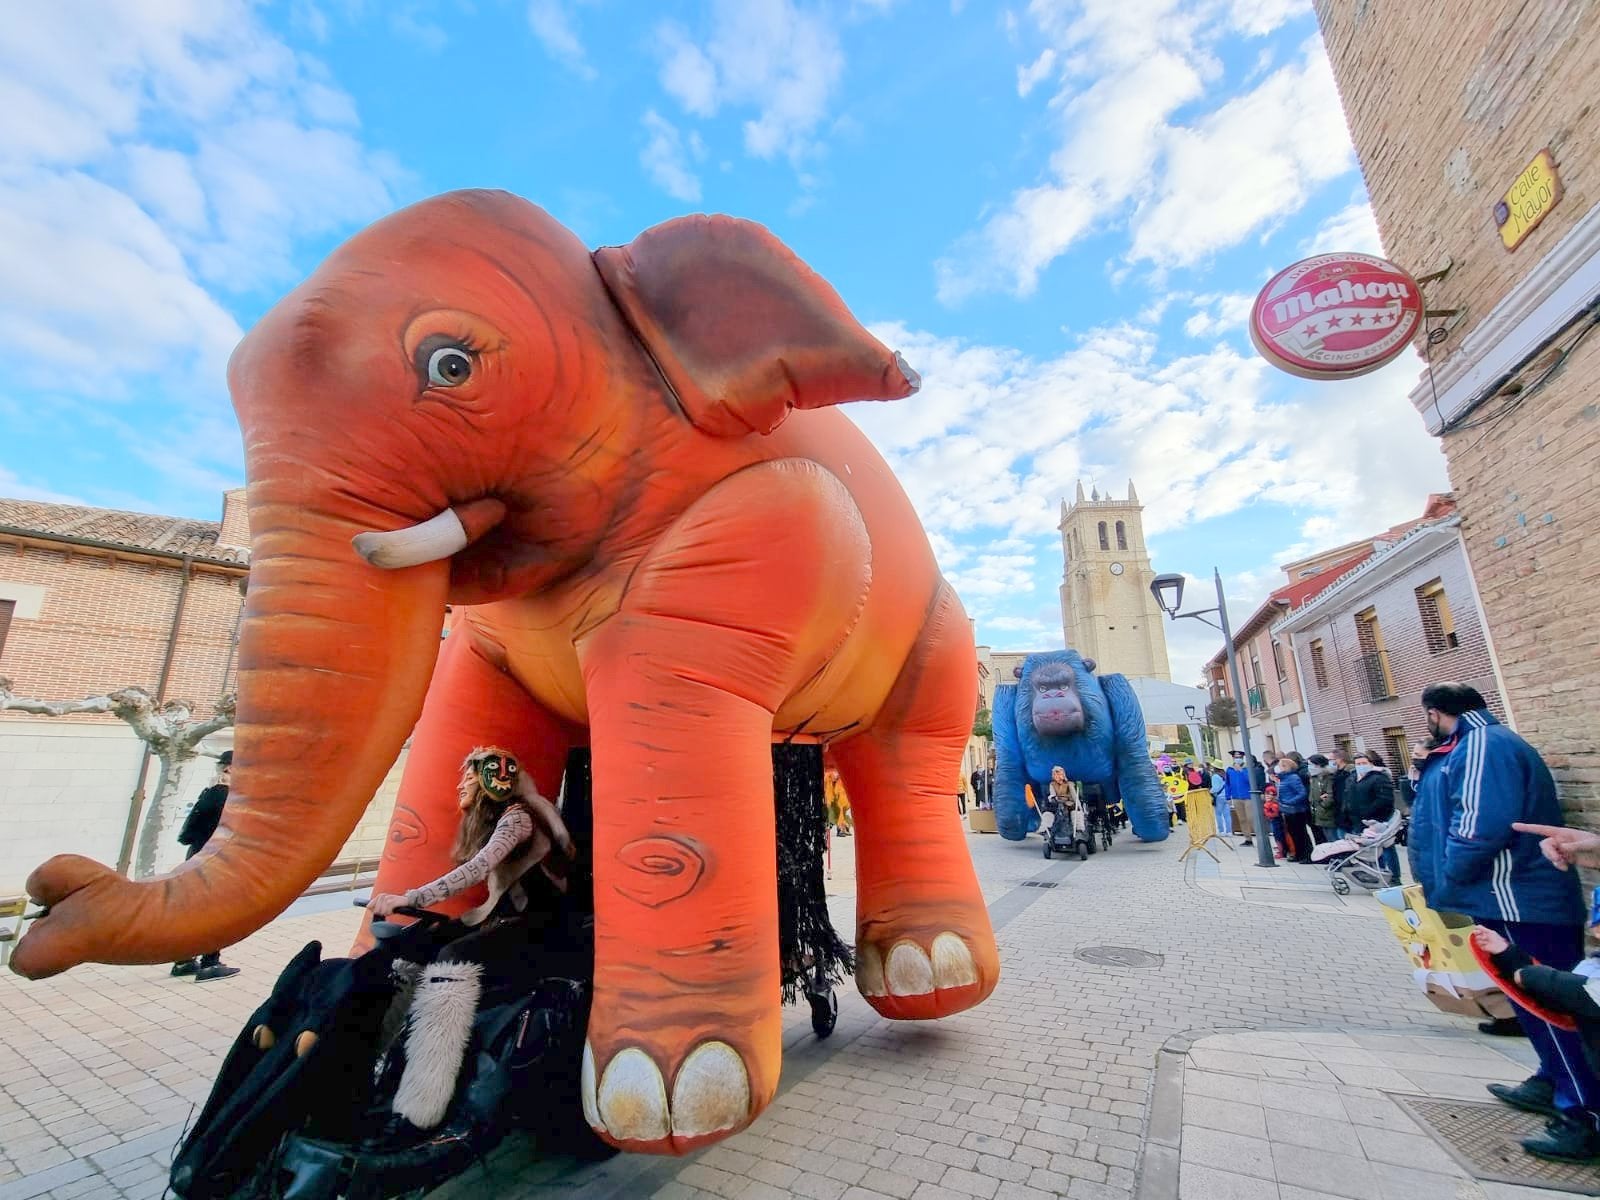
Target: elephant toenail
(632, 1098)
(952, 962)
(869, 970)
(712, 1091)
(908, 971)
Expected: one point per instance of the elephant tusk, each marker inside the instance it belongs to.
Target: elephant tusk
(436, 538)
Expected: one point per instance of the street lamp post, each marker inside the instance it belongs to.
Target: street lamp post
(1168, 591)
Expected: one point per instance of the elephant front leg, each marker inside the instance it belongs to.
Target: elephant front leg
(728, 612)
(684, 1039)
(924, 944)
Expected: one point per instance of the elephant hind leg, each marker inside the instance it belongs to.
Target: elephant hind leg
(924, 944)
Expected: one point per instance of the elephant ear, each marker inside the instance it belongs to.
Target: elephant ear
(743, 330)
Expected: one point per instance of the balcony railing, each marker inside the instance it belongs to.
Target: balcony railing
(1375, 673)
(1258, 701)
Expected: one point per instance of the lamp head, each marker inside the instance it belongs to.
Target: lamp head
(1189, 711)
(1168, 591)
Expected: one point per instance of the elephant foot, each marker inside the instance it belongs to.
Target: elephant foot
(627, 1103)
(910, 983)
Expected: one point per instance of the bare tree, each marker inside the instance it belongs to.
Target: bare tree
(169, 732)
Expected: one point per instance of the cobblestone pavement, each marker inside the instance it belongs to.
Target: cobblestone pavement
(1045, 1090)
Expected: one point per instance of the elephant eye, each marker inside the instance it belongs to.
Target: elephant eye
(445, 363)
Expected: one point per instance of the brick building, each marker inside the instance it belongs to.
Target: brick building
(92, 600)
(1272, 671)
(1448, 106)
(1373, 639)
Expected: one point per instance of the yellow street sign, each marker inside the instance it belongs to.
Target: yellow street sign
(1536, 191)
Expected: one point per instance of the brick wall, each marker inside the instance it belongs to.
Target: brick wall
(1342, 707)
(1447, 103)
(104, 624)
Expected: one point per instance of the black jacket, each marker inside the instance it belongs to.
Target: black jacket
(1342, 782)
(1369, 799)
(202, 820)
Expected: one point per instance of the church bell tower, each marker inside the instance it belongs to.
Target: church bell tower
(1107, 611)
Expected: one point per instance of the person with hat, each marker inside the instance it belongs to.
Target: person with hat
(197, 829)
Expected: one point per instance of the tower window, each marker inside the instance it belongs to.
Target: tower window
(1122, 536)
(1105, 542)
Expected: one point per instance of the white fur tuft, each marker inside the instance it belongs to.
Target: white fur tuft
(441, 1025)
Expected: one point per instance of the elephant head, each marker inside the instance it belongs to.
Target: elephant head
(452, 408)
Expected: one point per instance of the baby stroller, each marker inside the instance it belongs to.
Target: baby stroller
(1356, 859)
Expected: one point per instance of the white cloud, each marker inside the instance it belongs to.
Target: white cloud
(997, 438)
(773, 56)
(666, 156)
(1216, 314)
(552, 23)
(1030, 76)
(153, 155)
(1258, 17)
(1182, 188)
(1248, 165)
(1352, 228)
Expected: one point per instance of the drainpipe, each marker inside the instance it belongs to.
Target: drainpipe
(125, 855)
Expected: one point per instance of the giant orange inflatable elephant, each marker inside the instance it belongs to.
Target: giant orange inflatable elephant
(596, 458)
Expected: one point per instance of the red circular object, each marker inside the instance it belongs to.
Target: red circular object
(1336, 316)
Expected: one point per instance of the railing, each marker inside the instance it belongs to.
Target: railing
(1258, 701)
(1375, 673)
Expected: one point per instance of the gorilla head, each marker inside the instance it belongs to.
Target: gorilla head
(1060, 695)
(1057, 692)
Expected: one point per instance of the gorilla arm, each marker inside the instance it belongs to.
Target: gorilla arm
(1142, 797)
(1013, 816)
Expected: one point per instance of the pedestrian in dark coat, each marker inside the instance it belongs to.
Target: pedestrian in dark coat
(1343, 776)
(197, 829)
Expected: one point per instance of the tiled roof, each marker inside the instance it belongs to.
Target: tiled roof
(136, 531)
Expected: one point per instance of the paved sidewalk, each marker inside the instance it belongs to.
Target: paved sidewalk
(1280, 1115)
(1045, 1090)
(1237, 876)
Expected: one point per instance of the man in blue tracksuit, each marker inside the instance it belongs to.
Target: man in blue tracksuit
(1478, 779)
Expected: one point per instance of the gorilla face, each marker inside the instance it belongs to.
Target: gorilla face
(1057, 710)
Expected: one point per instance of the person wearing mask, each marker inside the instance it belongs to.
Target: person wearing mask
(1258, 773)
(1340, 782)
(1219, 797)
(1324, 818)
(197, 829)
(1484, 800)
(1295, 805)
(1239, 796)
(1371, 798)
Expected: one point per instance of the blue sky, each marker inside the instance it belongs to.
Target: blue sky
(1058, 211)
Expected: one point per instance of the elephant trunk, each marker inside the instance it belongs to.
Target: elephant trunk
(334, 658)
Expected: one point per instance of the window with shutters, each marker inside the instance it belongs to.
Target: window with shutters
(1398, 750)
(1374, 658)
(1277, 661)
(1319, 663)
(1438, 625)
(7, 607)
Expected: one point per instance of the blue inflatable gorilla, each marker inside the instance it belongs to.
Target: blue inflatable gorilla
(1060, 714)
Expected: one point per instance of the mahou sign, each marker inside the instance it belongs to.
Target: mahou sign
(1336, 316)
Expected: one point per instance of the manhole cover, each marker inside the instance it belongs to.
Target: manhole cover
(1485, 1139)
(1038, 884)
(1119, 956)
